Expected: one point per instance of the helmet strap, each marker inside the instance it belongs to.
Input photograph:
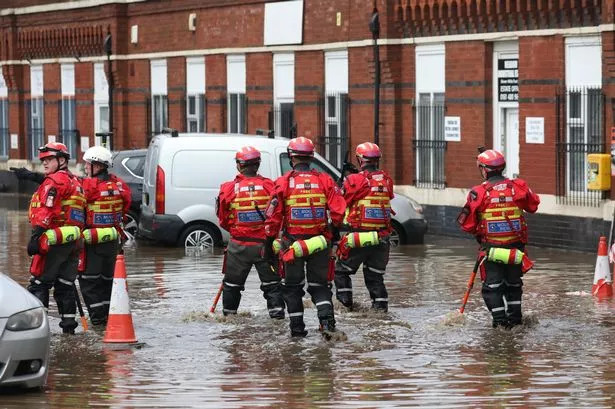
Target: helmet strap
(60, 165)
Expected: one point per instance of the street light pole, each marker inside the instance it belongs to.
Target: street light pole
(374, 27)
(107, 47)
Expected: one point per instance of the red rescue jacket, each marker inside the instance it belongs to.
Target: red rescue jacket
(368, 195)
(494, 211)
(58, 201)
(241, 207)
(302, 203)
(108, 199)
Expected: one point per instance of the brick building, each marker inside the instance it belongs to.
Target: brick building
(534, 78)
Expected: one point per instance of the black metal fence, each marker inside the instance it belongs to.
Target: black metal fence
(70, 138)
(429, 144)
(580, 131)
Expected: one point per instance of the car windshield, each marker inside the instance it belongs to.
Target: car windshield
(136, 165)
(315, 164)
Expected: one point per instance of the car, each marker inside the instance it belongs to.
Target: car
(128, 165)
(24, 337)
(183, 174)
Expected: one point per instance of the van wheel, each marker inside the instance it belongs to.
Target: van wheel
(132, 225)
(397, 236)
(198, 237)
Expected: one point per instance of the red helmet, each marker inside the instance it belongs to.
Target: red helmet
(53, 149)
(247, 155)
(368, 151)
(491, 160)
(300, 146)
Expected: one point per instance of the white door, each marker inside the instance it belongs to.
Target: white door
(511, 142)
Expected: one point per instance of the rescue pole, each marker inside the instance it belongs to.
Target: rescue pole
(470, 285)
(217, 298)
(84, 321)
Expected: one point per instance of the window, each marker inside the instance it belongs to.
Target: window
(68, 126)
(36, 126)
(237, 108)
(195, 94)
(584, 111)
(315, 164)
(236, 101)
(429, 141)
(336, 129)
(135, 165)
(283, 121)
(160, 105)
(160, 113)
(101, 99)
(4, 128)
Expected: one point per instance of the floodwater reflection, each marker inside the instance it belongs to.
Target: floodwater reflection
(407, 358)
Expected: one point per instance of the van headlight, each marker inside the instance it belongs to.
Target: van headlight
(26, 320)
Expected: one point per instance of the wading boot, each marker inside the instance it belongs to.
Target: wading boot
(297, 327)
(345, 298)
(380, 306)
(68, 325)
(328, 331)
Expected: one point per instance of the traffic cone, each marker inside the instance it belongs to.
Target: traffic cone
(603, 282)
(119, 324)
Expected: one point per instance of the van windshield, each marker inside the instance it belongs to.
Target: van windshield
(315, 164)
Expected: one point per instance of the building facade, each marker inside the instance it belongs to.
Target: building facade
(535, 79)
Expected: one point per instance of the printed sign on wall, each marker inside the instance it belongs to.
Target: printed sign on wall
(534, 130)
(508, 80)
(452, 128)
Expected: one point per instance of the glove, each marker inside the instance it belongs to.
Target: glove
(335, 234)
(25, 174)
(268, 249)
(33, 244)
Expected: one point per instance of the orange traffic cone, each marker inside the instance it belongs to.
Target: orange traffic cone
(603, 282)
(119, 325)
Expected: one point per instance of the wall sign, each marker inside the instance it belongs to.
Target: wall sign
(534, 130)
(14, 141)
(452, 128)
(508, 80)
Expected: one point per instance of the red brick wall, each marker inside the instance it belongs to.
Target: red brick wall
(309, 91)
(52, 93)
(541, 64)
(259, 90)
(84, 95)
(176, 84)
(468, 95)
(215, 70)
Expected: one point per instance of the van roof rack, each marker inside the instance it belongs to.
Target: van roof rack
(173, 132)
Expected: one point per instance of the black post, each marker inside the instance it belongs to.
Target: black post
(374, 27)
(107, 47)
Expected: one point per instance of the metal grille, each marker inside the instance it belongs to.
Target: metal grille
(69, 135)
(237, 113)
(580, 131)
(35, 126)
(334, 117)
(429, 144)
(282, 120)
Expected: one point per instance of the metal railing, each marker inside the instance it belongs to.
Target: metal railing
(4, 142)
(70, 138)
(36, 136)
(580, 131)
(334, 118)
(282, 120)
(429, 146)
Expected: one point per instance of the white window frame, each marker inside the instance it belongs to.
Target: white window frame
(159, 92)
(4, 118)
(37, 109)
(195, 94)
(427, 84)
(69, 109)
(283, 93)
(101, 98)
(336, 85)
(236, 87)
(582, 84)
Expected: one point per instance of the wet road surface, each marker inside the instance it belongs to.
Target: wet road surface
(414, 356)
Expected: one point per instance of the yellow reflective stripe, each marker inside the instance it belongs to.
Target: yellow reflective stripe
(321, 199)
(245, 199)
(306, 226)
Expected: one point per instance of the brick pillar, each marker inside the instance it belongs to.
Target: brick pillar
(468, 87)
(259, 90)
(176, 92)
(309, 91)
(215, 68)
(16, 78)
(52, 94)
(541, 75)
(84, 103)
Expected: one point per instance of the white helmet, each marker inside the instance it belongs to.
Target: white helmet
(98, 154)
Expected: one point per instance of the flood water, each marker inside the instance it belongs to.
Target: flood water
(411, 357)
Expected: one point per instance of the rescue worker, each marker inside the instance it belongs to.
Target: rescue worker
(368, 195)
(494, 213)
(56, 214)
(298, 209)
(240, 207)
(108, 200)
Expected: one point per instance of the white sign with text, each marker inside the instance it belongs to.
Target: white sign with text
(452, 128)
(534, 130)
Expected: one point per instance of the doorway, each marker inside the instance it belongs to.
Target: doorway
(510, 141)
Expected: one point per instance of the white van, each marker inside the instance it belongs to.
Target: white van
(183, 174)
